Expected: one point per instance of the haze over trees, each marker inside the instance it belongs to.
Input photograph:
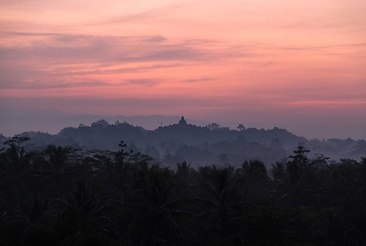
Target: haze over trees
(61, 195)
(196, 144)
(182, 184)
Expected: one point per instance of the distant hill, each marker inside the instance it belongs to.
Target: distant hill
(198, 145)
(14, 121)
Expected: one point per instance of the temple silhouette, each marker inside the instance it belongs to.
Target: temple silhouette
(182, 121)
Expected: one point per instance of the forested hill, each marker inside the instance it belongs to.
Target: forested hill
(195, 144)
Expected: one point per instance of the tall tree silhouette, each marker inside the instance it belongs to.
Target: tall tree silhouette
(152, 208)
(295, 177)
(218, 194)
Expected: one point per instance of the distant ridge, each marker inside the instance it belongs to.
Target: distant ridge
(15, 121)
(199, 145)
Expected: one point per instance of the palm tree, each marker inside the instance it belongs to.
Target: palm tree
(15, 170)
(295, 178)
(58, 158)
(255, 181)
(218, 195)
(151, 209)
(80, 209)
(60, 161)
(15, 161)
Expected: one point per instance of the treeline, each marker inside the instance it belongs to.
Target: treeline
(195, 144)
(64, 196)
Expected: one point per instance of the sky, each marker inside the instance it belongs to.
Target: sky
(299, 65)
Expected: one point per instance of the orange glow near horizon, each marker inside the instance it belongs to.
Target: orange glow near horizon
(236, 59)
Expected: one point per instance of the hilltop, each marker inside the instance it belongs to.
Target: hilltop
(198, 145)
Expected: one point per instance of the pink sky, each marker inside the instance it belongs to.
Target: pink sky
(299, 65)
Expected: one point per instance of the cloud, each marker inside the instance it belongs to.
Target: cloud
(50, 84)
(141, 16)
(52, 59)
(31, 34)
(63, 48)
(266, 64)
(101, 103)
(143, 82)
(312, 90)
(157, 38)
(107, 70)
(320, 48)
(328, 103)
(202, 79)
(66, 84)
(203, 42)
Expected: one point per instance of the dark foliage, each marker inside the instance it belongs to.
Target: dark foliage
(197, 145)
(65, 196)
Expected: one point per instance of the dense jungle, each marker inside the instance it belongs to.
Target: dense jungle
(60, 195)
